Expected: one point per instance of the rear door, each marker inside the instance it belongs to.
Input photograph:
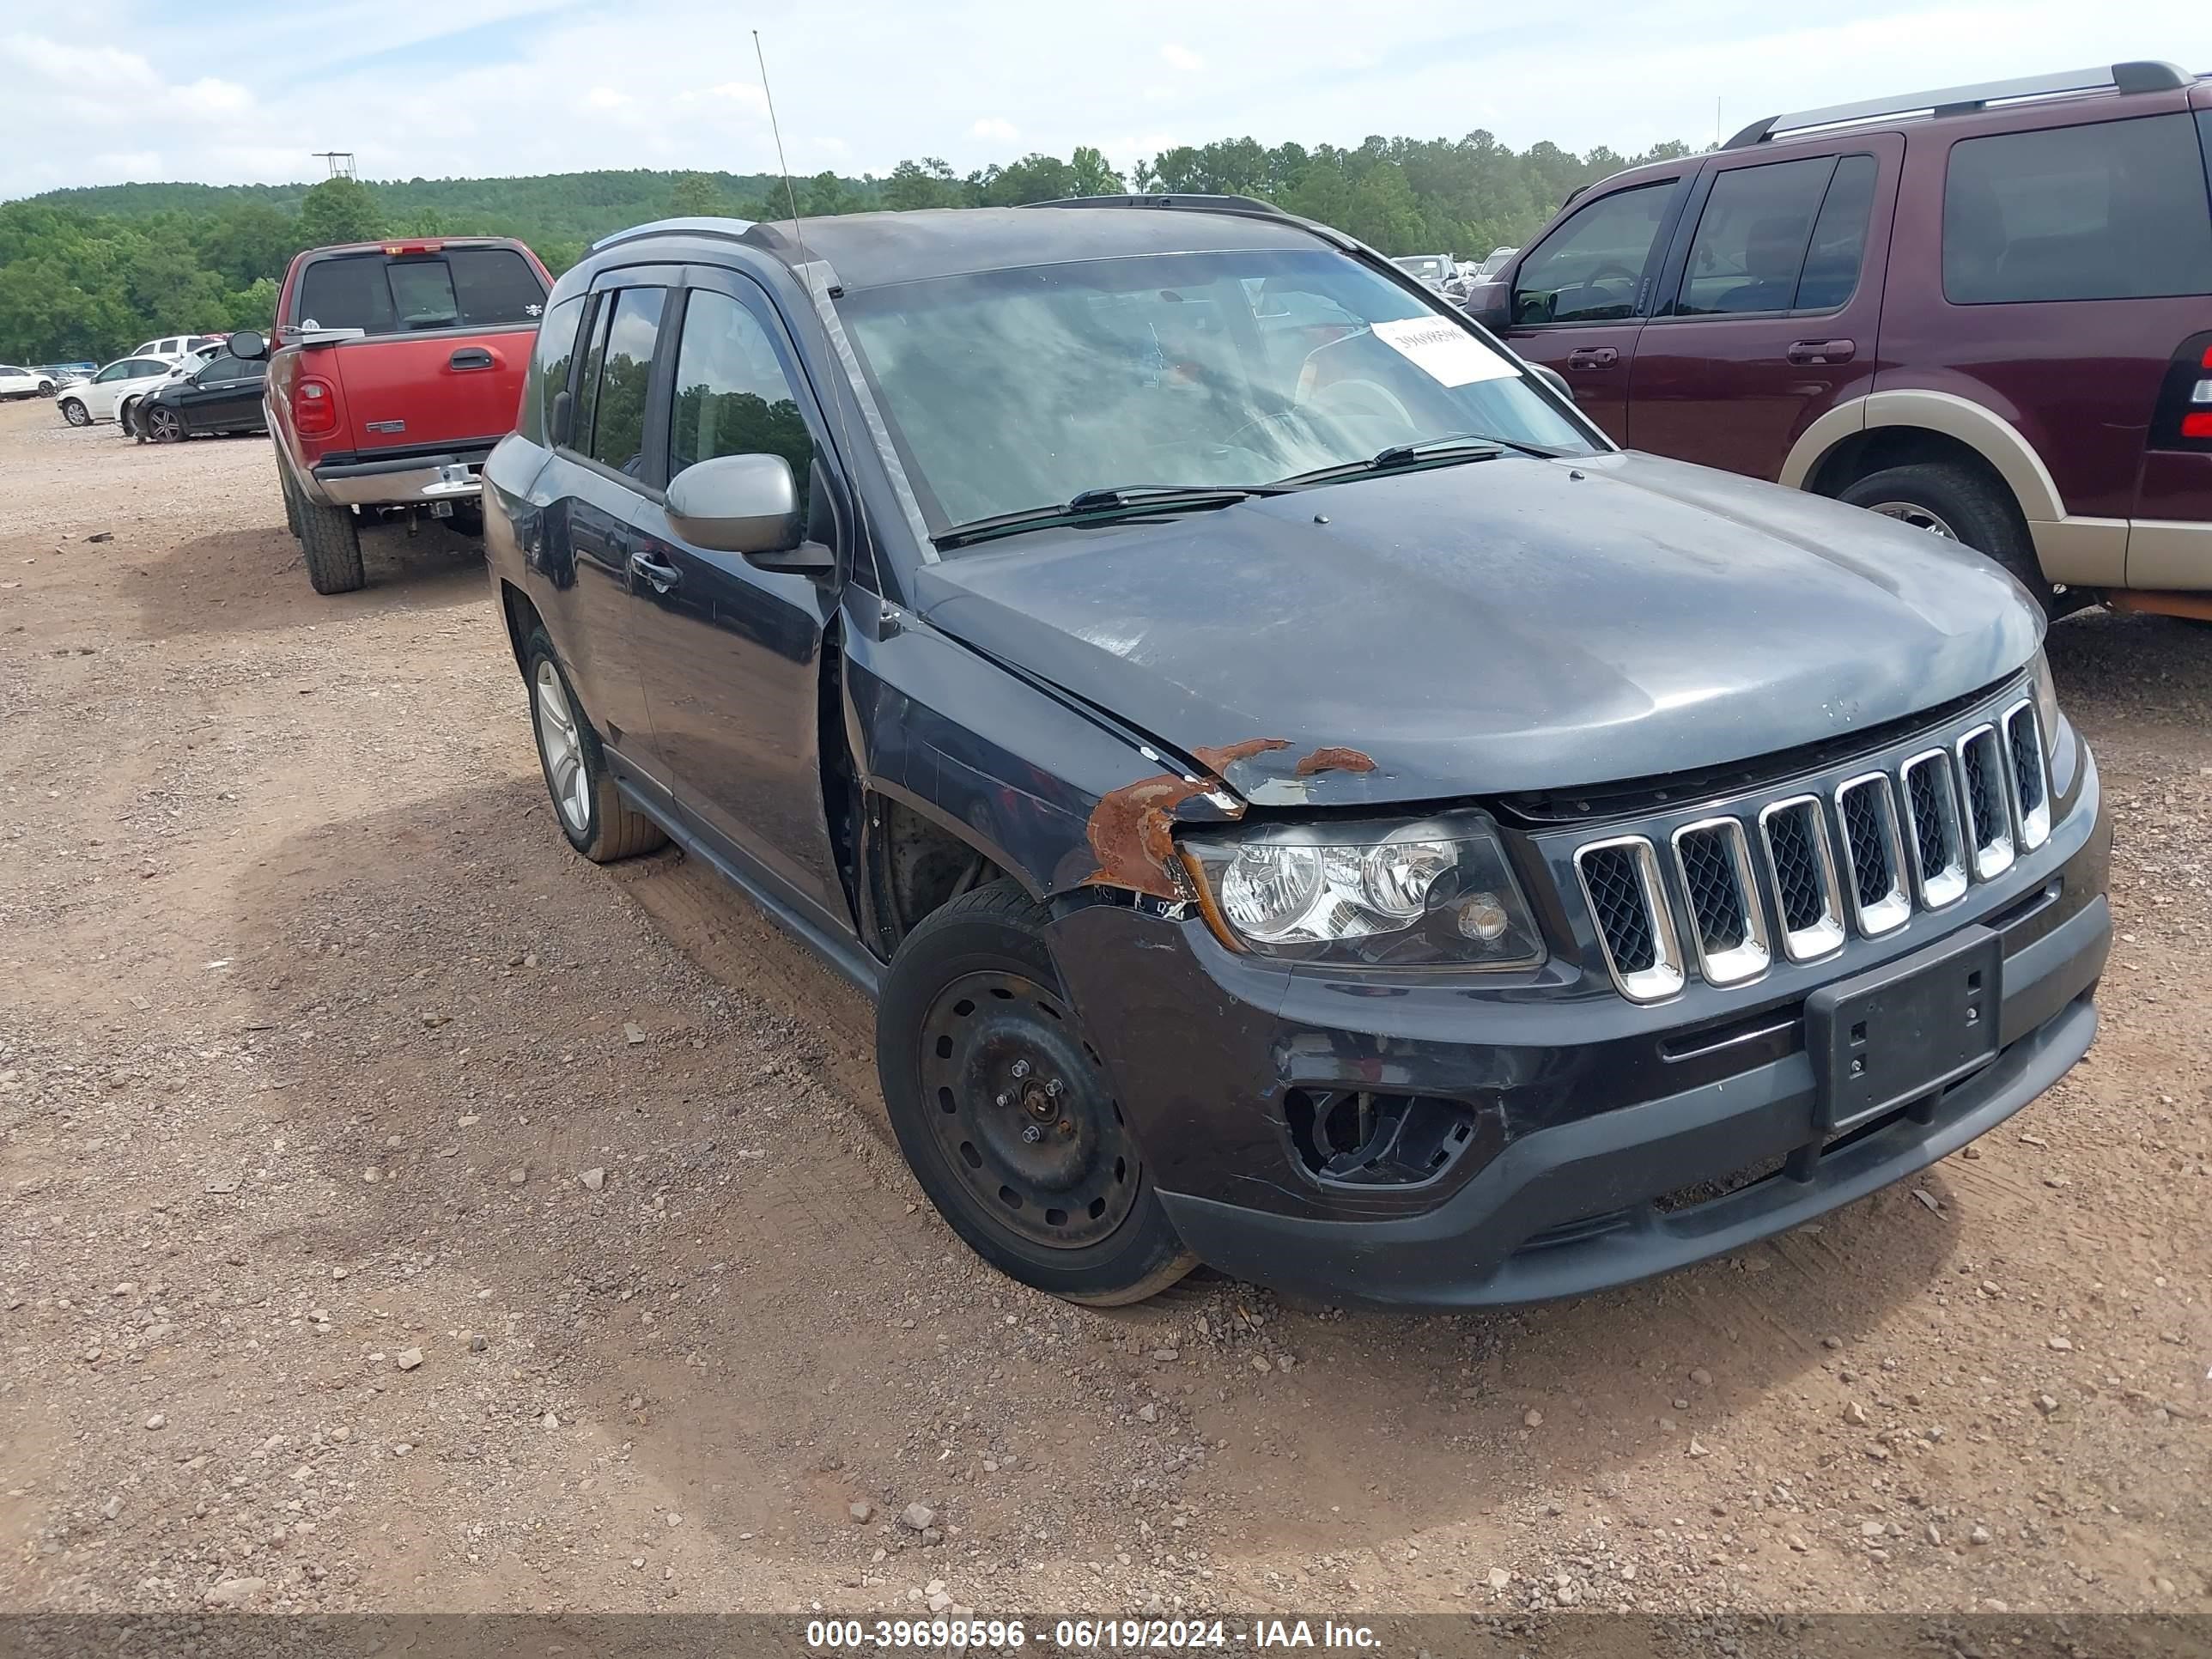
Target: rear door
(1771, 306)
(1578, 297)
(448, 331)
(571, 518)
(225, 395)
(732, 653)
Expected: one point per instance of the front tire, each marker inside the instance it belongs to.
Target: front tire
(590, 809)
(1005, 1110)
(75, 412)
(1958, 503)
(161, 423)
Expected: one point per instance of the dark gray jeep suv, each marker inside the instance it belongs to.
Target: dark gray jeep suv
(1300, 798)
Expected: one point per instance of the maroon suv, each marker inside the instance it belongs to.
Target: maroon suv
(1986, 310)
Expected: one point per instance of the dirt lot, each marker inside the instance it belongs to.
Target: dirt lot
(403, 1213)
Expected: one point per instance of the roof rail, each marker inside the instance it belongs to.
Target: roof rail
(703, 226)
(2146, 76)
(1188, 198)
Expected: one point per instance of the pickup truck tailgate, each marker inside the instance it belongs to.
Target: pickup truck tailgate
(402, 393)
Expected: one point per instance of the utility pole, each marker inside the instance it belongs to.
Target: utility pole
(340, 162)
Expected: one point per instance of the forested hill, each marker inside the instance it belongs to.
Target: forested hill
(84, 273)
(555, 207)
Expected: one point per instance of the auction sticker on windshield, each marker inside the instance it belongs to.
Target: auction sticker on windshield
(1448, 354)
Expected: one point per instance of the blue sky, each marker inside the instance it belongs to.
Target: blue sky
(101, 91)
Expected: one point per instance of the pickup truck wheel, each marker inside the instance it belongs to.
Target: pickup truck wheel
(75, 412)
(593, 814)
(1957, 503)
(330, 540)
(1005, 1112)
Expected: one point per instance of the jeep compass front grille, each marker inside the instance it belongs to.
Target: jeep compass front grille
(1914, 834)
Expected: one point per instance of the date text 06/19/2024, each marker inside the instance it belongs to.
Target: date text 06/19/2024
(1084, 1635)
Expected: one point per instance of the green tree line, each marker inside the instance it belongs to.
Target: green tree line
(87, 273)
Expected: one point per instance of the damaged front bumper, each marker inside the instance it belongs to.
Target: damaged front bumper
(1548, 1138)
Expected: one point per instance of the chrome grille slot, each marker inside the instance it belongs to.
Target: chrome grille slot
(1987, 795)
(1934, 836)
(1873, 854)
(1726, 925)
(1620, 880)
(1809, 901)
(2031, 775)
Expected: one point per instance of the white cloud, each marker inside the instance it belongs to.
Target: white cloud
(447, 88)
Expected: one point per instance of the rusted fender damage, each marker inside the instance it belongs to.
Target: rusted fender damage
(1329, 759)
(1132, 829)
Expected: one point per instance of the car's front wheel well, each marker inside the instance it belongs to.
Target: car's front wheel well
(915, 866)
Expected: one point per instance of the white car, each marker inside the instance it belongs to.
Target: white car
(175, 346)
(18, 382)
(97, 399)
(183, 368)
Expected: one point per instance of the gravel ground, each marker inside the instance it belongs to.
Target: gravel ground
(405, 1214)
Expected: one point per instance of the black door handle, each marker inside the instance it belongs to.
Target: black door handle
(649, 569)
(469, 357)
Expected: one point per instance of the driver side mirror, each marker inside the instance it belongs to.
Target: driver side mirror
(248, 344)
(745, 504)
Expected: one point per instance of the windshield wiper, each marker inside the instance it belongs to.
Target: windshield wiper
(1428, 452)
(1104, 505)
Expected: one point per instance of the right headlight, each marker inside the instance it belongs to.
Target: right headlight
(1437, 892)
(2046, 701)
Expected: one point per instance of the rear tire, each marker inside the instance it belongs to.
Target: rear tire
(586, 804)
(1961, 504)
(330, 541)
(1005, 1111)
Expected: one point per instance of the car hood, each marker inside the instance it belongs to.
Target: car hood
(1495, 627)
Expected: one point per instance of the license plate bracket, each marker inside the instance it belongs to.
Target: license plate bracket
(1882, 1039)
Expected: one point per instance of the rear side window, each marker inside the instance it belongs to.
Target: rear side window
(549, 367)
(1750, 246)
(1832, 261)
(624, 365)
(732, 397)
(2109, 210)
(385, 294)
(1590, 269)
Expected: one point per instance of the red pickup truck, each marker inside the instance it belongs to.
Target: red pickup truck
(395, 368)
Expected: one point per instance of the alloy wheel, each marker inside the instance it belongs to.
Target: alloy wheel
(560, 746)
(161, 424)
(1912, 513)
(1019, 1104)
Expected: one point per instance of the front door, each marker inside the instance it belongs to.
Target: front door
(1769, 316)
(730, 654)
(1578, 297)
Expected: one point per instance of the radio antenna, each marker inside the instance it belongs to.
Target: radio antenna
(790, 190)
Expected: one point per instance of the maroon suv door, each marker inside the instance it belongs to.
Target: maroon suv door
(1576, 297)
(1770, 306)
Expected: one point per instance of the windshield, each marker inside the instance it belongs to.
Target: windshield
(1019, 388)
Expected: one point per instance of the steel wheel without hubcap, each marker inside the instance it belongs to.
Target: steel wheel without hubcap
(1912, 513)
(562, 748)
(161, 424)
(1019, 1104)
